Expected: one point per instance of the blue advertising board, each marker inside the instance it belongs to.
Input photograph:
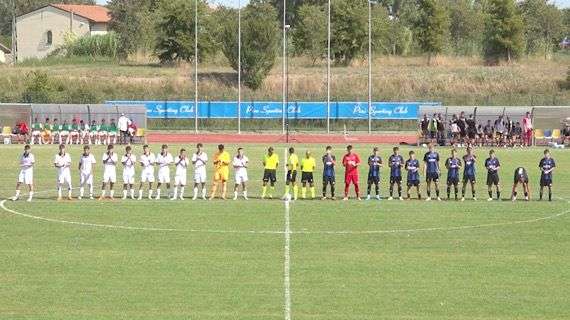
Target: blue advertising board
(273, 110)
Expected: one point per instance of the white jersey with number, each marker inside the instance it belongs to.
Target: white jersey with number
(63, 164)
(26, 175)
(86, 163)
(129, 161)
(147, 161)
(181, 170)
(164, 161)
(240, 167)
(110, 167)
(199, 161)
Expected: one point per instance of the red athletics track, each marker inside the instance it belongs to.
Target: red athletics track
(156, 137)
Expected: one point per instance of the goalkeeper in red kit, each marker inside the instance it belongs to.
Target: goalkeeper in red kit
(350, 161)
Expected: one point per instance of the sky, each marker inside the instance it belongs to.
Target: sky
(234, 3)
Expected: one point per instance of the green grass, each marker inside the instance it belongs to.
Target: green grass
(507, 271)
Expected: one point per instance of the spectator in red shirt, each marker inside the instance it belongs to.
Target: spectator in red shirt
(527, 130)
(350, 161)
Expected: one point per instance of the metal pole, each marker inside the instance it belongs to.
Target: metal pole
(14, 49)
(239, 68)
(329, 68)
(196, 66)
(369, 67)
(284, 67)
(286, 86)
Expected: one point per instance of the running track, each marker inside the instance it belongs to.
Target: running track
(156, 137)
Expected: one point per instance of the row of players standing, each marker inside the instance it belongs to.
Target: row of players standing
(307, 165)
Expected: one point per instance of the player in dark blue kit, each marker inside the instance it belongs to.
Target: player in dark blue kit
(413, 167)
(521, 176)
(546, 166)
(453, 165)
(329, 162)
(469, 161)
(493, 165)
(431, 169)
(374, 164)
(396, 162)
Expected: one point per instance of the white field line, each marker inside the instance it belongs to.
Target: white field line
(287, 263)
(289, 231)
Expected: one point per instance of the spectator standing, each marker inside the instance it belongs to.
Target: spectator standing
(432, 127)
(424, 123)
(123, 124)
(527, 130)
(440, 130)
(462, 123)
(500, 130)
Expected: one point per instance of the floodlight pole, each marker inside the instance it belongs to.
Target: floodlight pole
(196, 66)
(287, 27)
(284, 85)
(239, 68)
(329, 67)
(14, 49)
(369, 66)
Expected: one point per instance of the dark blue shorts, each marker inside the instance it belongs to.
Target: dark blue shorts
(432, 176)
(413, 183)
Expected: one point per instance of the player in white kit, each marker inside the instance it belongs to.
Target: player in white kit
(110, 160)
(240, 166)
(128, 160)
(181, 162)
(199, 160)
(147, 161)
(86, 163)
(63, 164)
(163, 160)
(26, 175)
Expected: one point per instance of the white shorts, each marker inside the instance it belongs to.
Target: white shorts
(36, 133)
(241, 177)
(64, 133)
(110, 175)
(147, 175)
(112, 133)
(64, 178)
(200, 176)
(26, 176)
(102, 133)
(164, 175)
(129, 176)
(86, 178)
(74, 133)
(180, 179)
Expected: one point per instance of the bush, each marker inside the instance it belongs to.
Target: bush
(39, 88)
(91, 46)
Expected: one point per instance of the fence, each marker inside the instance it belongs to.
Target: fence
(264, 115)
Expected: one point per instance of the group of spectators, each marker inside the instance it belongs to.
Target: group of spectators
(465, 130)
(51, 131)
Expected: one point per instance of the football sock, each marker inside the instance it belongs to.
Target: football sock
(304, 192)
(81, 191)
(448, 191)
(245, 193)
(195, 192)
(103, 193)
(498, 195)
(132, 192)
(31, 196)
(456, 192)
(332, 189)
(399, 191)
(377, 189)
(264, 191)
(490, 194)
(181, 192)
(17, 193)
(124, 193)
(287, 187)
(312, 192)
(112, 194)
(271, 190)
(175, 194)
(203, 192)
(295, 191)
(391, 189)
(158, 193)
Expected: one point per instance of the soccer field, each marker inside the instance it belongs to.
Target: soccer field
(87, 259)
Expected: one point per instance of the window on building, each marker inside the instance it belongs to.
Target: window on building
(49, 38)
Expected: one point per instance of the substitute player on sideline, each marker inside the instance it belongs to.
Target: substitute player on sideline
(147, 161)
(128, 160)
(110, 160)
(240, 172)
(329, 161)
(521, 176)
(374, 164)
(270, 164)
(164, 159)
(292, 166)
(308, 166)
(431, 170)
(86, 166)
(546, 166)
(413, 179)
(470, 160)
(63, 164)
(493, 165)
(199, 160)
(351, 161)
(396, 162)
(181, 163)
(221, 172)
(26, 175)
(453, 165)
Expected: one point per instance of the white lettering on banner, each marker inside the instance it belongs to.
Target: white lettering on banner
(358, 109)
(267, 109)
(164, 110)
(186, 108)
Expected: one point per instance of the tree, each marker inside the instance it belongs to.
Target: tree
(503, 32)
(467, 23)
(433, 26)
(175, 31)
(126, 22)
(310, 33)
(349, 29)
(260, 41)
(543, 26)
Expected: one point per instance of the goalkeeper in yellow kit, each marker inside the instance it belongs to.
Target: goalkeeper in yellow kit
(221, 171)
